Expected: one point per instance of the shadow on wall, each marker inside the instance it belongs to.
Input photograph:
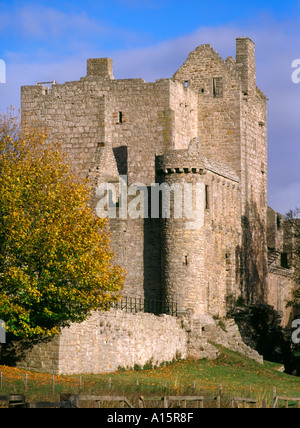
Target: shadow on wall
(16, 349)
(152, 256)
(260, 328)
(121, 155)
(253, 256)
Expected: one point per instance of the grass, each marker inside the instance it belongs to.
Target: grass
(232, 371)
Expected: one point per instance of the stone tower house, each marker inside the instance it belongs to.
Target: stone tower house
(201, 133)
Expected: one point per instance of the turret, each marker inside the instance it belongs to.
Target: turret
(181, 176)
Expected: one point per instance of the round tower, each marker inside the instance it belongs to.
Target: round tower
(181, 176)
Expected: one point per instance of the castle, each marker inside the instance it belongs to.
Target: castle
(201, 133)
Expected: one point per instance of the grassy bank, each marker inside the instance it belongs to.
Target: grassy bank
(231, 373)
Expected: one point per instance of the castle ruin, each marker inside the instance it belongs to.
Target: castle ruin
(203, 131)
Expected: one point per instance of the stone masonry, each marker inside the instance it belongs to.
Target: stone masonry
(146, 132)
(106, 342)
(205, 130)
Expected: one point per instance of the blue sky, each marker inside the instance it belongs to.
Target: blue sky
(51, 40)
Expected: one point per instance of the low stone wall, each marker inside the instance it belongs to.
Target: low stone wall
(281, 284)
(205, 331)
(117, 339)
(110, 340)
(106, 341)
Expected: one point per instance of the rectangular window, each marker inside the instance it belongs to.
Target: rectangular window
(284, 260)
(217, 87)
(206, 197)
(120, 117)
(186, 83)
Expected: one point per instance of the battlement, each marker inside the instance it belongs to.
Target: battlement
(192, 161)
(182, 171)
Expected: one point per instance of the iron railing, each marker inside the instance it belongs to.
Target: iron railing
(139, 304)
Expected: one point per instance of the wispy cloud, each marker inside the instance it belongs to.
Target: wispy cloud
(60, 30)
(276, 46)
(45, 22)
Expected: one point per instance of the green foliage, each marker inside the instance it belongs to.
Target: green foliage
(56, 265)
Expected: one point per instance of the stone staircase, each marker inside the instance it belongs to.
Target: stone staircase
(204, 330)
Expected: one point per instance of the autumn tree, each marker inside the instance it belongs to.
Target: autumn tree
(56, 265)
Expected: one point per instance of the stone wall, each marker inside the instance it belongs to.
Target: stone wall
(281, 284)
(116, 339)
(281, 281)
(191, 246)
(232, 129)
(106, 341)
(218, 111)
(110, 127)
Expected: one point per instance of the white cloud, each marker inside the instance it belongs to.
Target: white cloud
(60, 31)
(163, 59)
(37, 21)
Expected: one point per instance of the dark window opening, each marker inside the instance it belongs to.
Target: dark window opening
(121, 159)
(278, 221)
(284, 260)
(217, 87)
(120, 117)
(206, 197)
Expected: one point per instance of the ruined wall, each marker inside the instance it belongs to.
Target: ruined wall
(107, 341)
(253, 176)
(280, 287)
(281, 282)
(232, 129)
(150, 133)
(184, 104)
(218, 89)
(98, 119)
(114, 127)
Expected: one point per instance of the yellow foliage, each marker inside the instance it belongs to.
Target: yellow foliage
(56, 265)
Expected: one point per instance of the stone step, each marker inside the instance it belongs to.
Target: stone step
(226, 333)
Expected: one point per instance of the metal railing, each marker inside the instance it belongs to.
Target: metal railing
(139, 304)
